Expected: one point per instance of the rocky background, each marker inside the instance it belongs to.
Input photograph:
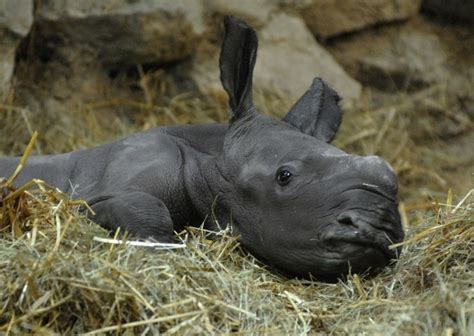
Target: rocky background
(60, 59)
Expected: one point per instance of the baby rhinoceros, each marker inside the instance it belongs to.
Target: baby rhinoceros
(300, 205)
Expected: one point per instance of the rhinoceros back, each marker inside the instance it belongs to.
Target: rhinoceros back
(56, 170)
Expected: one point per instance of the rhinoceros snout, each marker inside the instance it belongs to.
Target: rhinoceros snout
(381, 230)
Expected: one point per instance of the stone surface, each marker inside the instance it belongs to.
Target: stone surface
(453, 9)
(16, 18)
(406, 57)
(122, 31)
(411, 58)
(93, 53)
(254, 12)
(80, 47)
(327, 18)
(288, 59)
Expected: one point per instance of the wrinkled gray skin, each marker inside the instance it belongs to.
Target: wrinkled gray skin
(299, 204)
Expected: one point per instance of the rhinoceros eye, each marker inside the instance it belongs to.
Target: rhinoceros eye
(283, 176)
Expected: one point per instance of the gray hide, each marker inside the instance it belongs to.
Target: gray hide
(300, 205)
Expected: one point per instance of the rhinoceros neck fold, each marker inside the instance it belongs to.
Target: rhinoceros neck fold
(203, 183)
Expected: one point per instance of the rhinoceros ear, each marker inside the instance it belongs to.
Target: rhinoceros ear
(317, 112)
(237, 60)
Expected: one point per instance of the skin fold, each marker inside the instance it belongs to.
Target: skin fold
(299, 204)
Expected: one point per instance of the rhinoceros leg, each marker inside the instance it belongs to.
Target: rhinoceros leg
(140, 214)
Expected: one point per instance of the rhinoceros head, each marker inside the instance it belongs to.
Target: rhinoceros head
(300, 204)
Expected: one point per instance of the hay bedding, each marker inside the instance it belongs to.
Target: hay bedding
(57, 275)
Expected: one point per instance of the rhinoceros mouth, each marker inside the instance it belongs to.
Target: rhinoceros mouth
(361, 236)
(364, 244)
(358, 257)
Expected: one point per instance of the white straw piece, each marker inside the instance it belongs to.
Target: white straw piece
(155, 245)
(463, 200)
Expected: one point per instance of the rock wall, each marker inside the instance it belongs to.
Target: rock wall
(124, 32)
(57, 55)
(329, 18)
(412, 57)
(453, 9)
(16, 18)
